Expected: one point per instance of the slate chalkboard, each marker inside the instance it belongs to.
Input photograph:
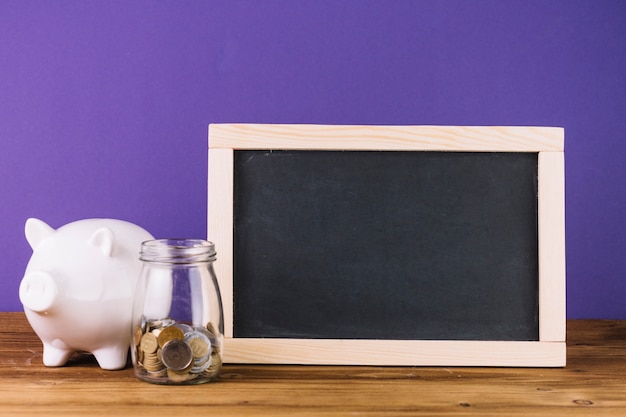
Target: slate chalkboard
(449, 237)
(389, 245)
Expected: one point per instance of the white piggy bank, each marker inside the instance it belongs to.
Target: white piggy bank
(79, 286)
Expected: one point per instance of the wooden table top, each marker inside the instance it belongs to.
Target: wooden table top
(593, 383)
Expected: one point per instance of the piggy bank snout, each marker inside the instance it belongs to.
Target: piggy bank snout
(38, 291)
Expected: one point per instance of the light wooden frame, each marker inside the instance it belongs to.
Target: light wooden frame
(548, 142)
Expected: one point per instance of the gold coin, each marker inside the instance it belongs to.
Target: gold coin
(170, 333)
(153, 364)
(137, 335)
(216, 364)
(148, 343)
(199, 343)
(177, 376)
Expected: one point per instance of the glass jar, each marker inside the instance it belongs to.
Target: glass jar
(177, 325)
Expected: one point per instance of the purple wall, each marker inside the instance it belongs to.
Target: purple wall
(104, 105)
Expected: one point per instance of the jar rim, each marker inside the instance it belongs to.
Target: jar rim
(177, 250)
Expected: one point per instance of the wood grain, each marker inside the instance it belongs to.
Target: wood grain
(394, 352)
(592, 384)
(551, 227)
(220, 226)
(366, 137)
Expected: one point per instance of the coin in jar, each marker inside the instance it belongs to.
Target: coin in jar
(200, 344)
(169, 333)
(148, 343)
(176, 355)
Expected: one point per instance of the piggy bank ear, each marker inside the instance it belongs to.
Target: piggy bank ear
(36, 231)
(103, 239)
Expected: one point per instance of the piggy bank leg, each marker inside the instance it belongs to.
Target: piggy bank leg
(55, 356)
(112, 357)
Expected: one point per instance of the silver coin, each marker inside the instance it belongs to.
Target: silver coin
(201, 366)
(184, 327)
(161, 323)
(176, 355)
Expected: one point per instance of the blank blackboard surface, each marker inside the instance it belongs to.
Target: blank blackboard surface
(389, 245)
(450, 237)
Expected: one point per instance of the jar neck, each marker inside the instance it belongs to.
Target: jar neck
(177, 251)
